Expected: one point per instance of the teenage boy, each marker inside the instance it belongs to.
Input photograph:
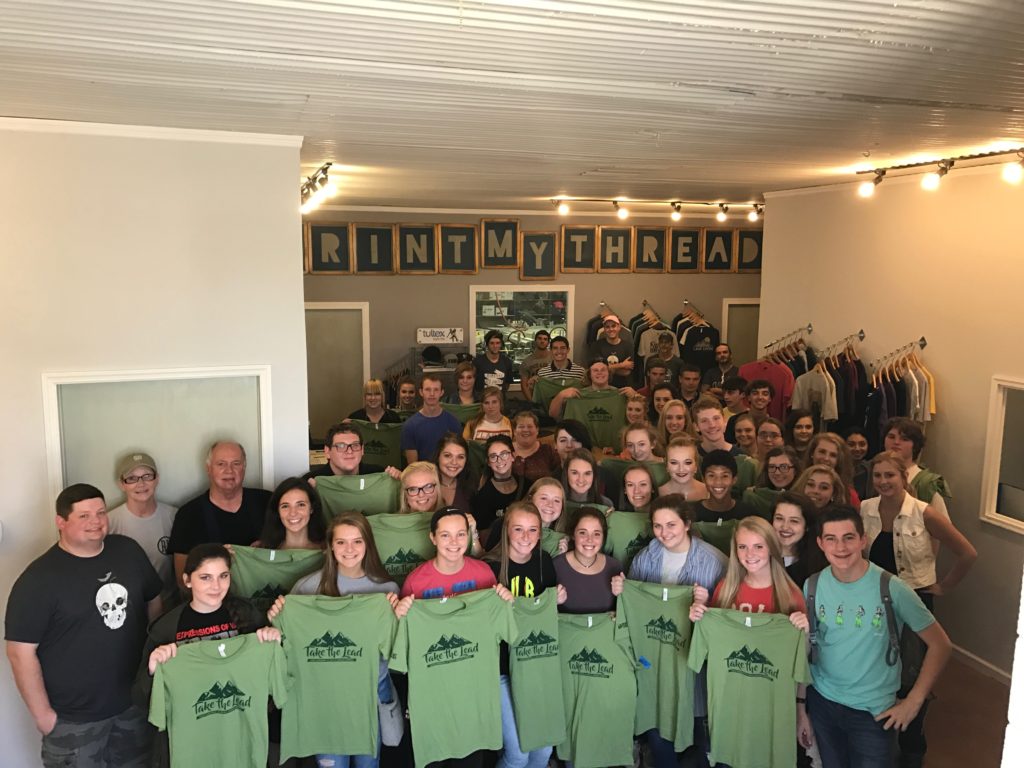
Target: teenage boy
(561, 366)
(493, 367)
(425, 428)
(344, 450)
(906, 437)
(539, 357)
(616, 351)
(852, 704)
(720, 472)
(689, 384)
(657, 373)
(734, 395)
(710, 421)
(760, 394)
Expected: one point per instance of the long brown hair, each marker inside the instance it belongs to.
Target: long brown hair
(783, 587)
(372, 565)
(499, 553)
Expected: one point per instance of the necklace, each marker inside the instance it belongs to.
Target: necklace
(582, 564)
(452, 484)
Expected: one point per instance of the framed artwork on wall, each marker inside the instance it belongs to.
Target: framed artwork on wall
(719, 253)
(374, 248)
(650, 249)
(499, 239)
(616, 249)
(684, 249)
(417, 249)
(539, 255)
(459, 246)
(579, 249)
(327, 248)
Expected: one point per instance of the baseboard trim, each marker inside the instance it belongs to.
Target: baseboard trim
(982, 666)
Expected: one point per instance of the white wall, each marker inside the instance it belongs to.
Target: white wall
(127, 248)
(946, 265)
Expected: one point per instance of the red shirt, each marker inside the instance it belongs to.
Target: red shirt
(759, 600)
(427, 581)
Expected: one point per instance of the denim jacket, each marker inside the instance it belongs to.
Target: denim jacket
(704, 564)
(911, 542)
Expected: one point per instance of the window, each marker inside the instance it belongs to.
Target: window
(1002, 485)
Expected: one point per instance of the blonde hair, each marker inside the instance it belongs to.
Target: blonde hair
(499, 553)
(840, 494)
(844, 461)
(475, 422)
(783, 587)
(897, 461)
(420, 466)
(663, 435)
(549, 482)
(373, 387)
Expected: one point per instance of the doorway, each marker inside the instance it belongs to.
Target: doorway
(337, 362)
(740, 322)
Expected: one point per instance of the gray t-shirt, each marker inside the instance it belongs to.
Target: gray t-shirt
(152, 533)
(364, 585)
(672, 564)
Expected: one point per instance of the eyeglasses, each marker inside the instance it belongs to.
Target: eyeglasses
(779, 468)
(146, 478)
(347, 447)
(499, 456)
(769, 434)
(416, 490)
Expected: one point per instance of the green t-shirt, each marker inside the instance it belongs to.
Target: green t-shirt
(333, 647)
(657, 620)
(403, 542)
(370, 494)
(476, 458)
(261, 575)
(534, 672)
(615, 470)
(381, 444)
(718, 534)
(545, 389)
(603, 412)
(747, 470)
(211, 698)
(450, 649)
(549, 539)
(628, 533)
(462, 412)
(599, 691)
(755, 661)
(762, 500)
(568, 507)
(853, 637)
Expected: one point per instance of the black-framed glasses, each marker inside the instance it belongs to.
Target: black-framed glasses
(778, 468)
(146, 478)
(499, 456)
(347, 447)
(416, 490)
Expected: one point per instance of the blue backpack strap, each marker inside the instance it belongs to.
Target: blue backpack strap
(892, 653)
(812, 616)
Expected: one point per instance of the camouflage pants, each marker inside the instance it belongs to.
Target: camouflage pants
(122, 741)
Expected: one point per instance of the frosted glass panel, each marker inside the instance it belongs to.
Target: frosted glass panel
(173, 420)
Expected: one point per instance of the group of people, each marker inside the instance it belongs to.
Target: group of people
(770, 518)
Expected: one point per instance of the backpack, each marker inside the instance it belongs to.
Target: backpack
(906, 645)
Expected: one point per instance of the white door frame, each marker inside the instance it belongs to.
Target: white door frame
(364, 310)
(726, 303)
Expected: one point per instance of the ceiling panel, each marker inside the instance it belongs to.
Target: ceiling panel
(504, 104)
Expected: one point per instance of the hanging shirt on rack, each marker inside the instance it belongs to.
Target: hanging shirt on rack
(815, 391)
(697, 346)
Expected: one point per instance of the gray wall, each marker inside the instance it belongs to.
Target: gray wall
(401, 303)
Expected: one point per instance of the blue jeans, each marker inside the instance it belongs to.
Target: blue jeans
(385, 694)
(512, 756)
(847, 737)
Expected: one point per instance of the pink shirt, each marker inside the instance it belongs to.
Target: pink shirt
(758, 599)
(427, 581)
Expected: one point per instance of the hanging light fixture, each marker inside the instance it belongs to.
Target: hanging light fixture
(315, 189)
(1013, 173)
(930, 181)
(620, 210)
(867, 188)
(722, 214)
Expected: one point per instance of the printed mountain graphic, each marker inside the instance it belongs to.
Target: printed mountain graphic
(374, 445)
(598, 411)
(537, 638)
(749, 656)
(638, 543)
(665, 625)
(269, 592)
(447, 643)
(331, 641)
(218, 691)
(589, 657)
(404, 556)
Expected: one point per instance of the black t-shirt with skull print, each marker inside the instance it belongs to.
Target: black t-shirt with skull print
(88, 617)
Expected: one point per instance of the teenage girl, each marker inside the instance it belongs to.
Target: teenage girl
(640, 443)
(830, 449)
(491, 421)
(822, 485)
(794, 518)
(745, 432)
(457, 484)
(294, 518)
(579, 479)
(548, 496)
(638, 489)
(681, 462)
(591, 578)
(799, 430)
(674, 420)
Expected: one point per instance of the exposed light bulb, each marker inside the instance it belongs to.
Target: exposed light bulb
(930, 181)
(676, 215)
(721, 216)
(866, 189)
(621, 212)
(563, 208)
(1013, 173)
(752, 216)
(330, 189)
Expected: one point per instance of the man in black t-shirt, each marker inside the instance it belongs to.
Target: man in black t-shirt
(493, 367)
(226, 514)
(344, 450)
(75, 625)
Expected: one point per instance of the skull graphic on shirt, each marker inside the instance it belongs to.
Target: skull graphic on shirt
(112, 603)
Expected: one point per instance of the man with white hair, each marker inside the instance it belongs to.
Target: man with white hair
(228, 513)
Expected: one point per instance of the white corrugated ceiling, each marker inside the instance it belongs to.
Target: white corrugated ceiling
(501, 104)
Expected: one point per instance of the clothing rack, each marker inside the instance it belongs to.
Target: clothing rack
(791, 336)
(654, 315)
(899, 352)
(837, 346)
(604, 310)
(692, 307)
(888, 365)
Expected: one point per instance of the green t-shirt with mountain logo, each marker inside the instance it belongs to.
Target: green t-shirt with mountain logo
(602, 411)
(370, 494)
(755, 661)
(598, 690)
(656, 619)
(262, 575)
(449, 647)
(534, 672)
(403, 542)
(461, 411)
(333, 646)
(381, 444)
(549, 539)
(545, 388)
(628, 533)
(718, 534)
(211, 698)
